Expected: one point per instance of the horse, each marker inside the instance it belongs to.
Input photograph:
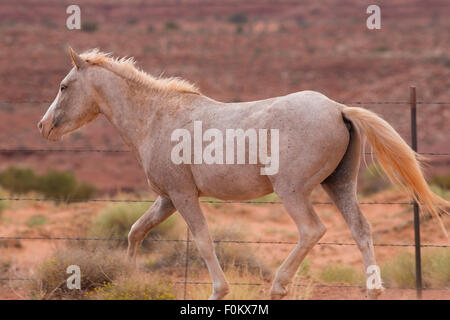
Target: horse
(320, 143)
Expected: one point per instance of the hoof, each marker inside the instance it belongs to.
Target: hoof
(373, 294)
(132, 263)
(278, 292)
(220, 293)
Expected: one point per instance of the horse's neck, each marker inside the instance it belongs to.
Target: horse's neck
(129, 114)
(134, 114)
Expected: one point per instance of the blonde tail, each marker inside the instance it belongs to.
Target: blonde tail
(399, 162)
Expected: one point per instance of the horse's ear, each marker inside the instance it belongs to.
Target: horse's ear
(77, 61)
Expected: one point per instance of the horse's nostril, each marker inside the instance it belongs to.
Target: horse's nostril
(40, 125)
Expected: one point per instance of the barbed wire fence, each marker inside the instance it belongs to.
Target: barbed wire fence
(417, 245)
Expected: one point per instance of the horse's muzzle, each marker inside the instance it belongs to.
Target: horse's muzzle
(46, 128)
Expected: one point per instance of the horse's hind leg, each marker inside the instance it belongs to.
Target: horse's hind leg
(344, 196)
(161, 209)
(341, 187)
(310, 230)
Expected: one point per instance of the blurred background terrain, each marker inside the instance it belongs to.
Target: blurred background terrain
(234, 51)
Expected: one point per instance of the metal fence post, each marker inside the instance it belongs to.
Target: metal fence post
(413, 103)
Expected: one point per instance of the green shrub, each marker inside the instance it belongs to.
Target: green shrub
(381, 49)
(438, 261)
(98, 266)
(442, 181)
(171, 25)
(64, 186)
(304, 268)
(48, 23)
(133, 289)
(3, 206)
(83, 191)
(336, 273)
(132, 20)
(373, 180)
(89, 26)
(116, 221)
(401, 270)
(271, 197)
(238, 18)
(18, 180)
(3, 203)
(441, 192)
(54, 184)
(36, 220)
(301, 22)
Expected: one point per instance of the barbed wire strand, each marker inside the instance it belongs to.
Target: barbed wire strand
(202, 201)
(27, 150)
(219, 241)
(267, 284)
(306, 285)
(343, 102)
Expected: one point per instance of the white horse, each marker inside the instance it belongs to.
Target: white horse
(319, 143)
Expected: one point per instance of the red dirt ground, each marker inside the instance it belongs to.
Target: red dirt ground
(391, 224)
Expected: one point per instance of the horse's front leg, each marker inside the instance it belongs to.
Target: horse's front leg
(190, 210)
(161, 209)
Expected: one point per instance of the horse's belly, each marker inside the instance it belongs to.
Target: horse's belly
(231, 182)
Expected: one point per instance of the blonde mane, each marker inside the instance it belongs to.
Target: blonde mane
(125, 67)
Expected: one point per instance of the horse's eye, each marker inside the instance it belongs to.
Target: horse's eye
(63, 87)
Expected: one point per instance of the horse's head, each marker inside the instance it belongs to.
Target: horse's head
(74, 104)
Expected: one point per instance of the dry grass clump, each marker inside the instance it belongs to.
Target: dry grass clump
(401, 270)
(11, 243)
(3, 203)
(243, 287)
(36, 220)
(98, 266)
(5, 266)
(237, 292)
(231, 255)
(133, 288)
(338, 273)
